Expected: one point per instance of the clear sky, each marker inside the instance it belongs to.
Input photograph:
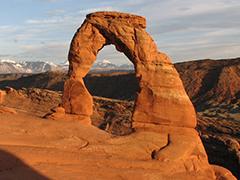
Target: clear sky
(184, 29)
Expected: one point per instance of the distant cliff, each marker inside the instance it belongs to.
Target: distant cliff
(206, 81)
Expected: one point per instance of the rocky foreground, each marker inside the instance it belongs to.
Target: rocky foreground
(37, 148)
(218, 115)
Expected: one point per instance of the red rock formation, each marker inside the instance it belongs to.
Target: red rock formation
(2, 94)
(162, 99)
(4, 109)
(211, 81)
(162, 105)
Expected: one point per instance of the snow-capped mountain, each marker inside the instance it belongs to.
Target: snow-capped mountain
(126, 66)
(104, 64)
(39, 66)
(10, 66)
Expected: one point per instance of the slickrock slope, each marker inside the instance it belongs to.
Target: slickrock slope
(36, 149)
(40, 148)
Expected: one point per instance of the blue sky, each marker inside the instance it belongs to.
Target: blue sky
(185, 30)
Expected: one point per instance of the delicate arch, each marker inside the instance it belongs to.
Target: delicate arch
(161, 99)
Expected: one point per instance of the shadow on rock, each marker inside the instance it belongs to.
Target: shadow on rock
(11, 167)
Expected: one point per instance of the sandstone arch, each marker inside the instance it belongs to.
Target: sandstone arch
(162, 99)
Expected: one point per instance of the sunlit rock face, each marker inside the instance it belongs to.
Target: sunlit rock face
(161, 99)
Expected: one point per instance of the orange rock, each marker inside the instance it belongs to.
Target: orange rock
(161, 100)
(222, 173)
(4, 109)
(76, 98)
(61, 116)
(59, 110)
(2, 94)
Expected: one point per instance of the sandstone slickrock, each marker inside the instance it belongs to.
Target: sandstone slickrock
(4, 109)
(69, 149)
(2, 94)
(161, 100)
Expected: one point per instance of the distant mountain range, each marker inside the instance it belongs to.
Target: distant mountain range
(107, 66)
(9, 66)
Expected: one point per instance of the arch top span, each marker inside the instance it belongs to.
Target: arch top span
(109, 17)
(161, 100)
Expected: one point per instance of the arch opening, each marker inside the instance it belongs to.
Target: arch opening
(112, 76)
